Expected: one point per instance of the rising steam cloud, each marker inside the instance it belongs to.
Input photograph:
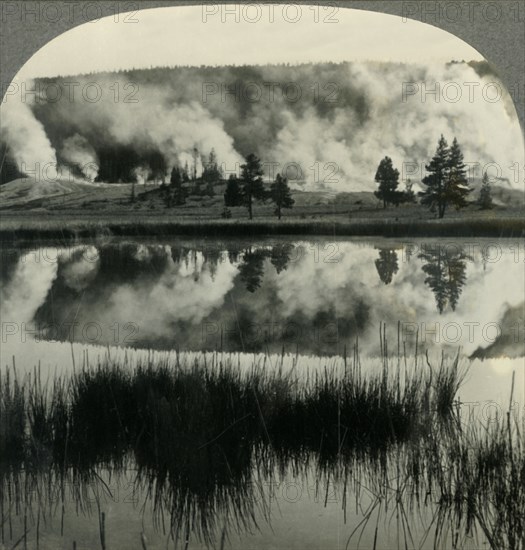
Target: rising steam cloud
(27, 142)
(336, 126)
(78, 152)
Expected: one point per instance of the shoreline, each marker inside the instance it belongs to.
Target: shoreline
(21, 228)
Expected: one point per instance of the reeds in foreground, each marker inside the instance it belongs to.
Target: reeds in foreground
(198, 434)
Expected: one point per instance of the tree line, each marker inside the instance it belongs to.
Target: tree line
(446, 182)
(249, 187)
(240, 191)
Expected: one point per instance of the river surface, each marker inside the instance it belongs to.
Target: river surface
(304, 302)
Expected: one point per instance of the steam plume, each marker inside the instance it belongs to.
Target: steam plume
(338, 123)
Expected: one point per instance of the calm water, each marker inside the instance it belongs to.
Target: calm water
(292, 297)
(311, 297)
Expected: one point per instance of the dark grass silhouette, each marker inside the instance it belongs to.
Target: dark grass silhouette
(197, 436)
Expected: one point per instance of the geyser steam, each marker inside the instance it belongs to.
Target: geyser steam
(332, 131)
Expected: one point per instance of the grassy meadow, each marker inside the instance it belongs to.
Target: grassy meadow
(83, 210)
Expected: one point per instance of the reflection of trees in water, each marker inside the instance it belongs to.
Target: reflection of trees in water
(251, 268)
(386, 264)
(254, 322)
(135, 270)
(280, 255)
(446, 274)
(9, 259)
(252, 265)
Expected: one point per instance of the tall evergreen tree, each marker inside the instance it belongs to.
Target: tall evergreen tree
(485, 194)
(408, 194)
(175, 176)
(456, 184)
(195, 159)
(280, 195)
(233, 194)
(176, 190)
(434, 195)
(446, 180)
(252, 183)
(388, 179)
(211, 172)
(185, 173)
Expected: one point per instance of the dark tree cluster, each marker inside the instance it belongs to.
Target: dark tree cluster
(175, 193)
(184, 179)
(250, 187)
(387, 178)
(118, 164)
(485, 194)
(446, 182)
(243, 190)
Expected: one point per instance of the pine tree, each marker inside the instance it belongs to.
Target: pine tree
(446, 180)
(177, 191)
(280, 195)
(434, 196)
(195, 157)
(456, 184)
(252, 183)
(388, 179)
(408, 194)
(175, 176)
(485, 194)
(211, 172)
(233, 194)
(185, 173)
(209, 189)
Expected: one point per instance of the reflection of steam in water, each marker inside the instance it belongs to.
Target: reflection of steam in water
(26, 290)
(268, 296)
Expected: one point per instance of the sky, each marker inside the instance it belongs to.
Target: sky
(239, 34)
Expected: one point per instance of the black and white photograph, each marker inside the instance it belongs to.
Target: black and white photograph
(262, 280)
